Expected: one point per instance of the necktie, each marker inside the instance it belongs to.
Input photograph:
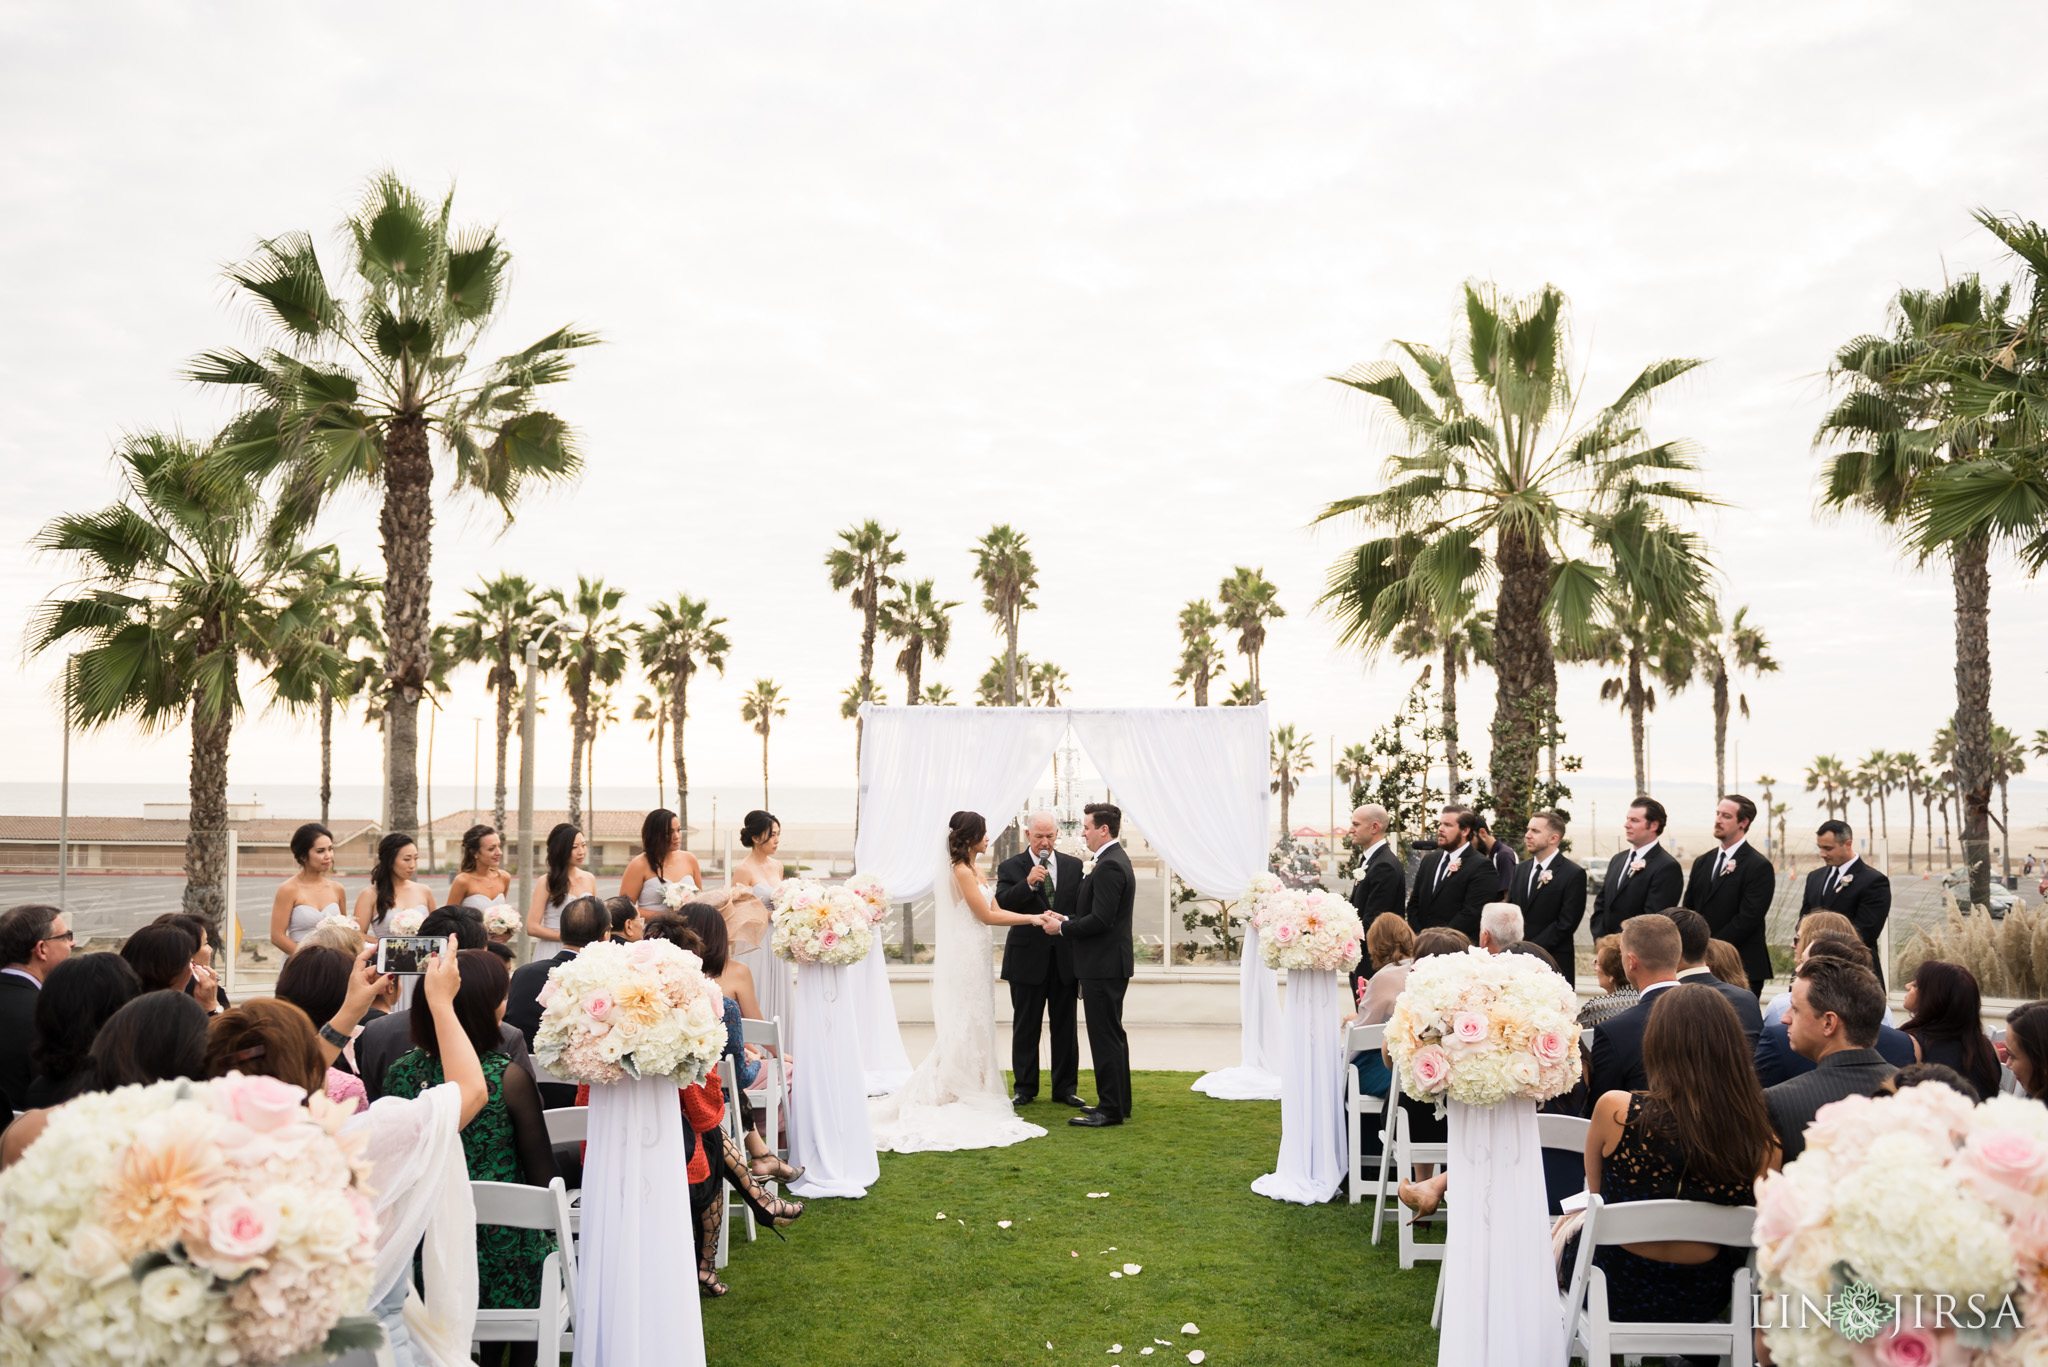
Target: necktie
(1535, 872)
(1045, 889)
(1829, 890)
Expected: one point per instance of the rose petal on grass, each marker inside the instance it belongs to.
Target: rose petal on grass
(1116, 1347)
(1002, 1224)
(1144, 1352)
(1197, 1355)
(1132, 1269)
(1188, 1328)
(1116, 1276)
(940, 1216)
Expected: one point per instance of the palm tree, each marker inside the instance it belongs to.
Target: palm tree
(858, 692)
(503, 615)
(1467, 640)
(593, 658)
(347, 608)
(358, 388)
(1241, 695)
(1780, 810)
(988, 690)
(1653, 626)
(1911, 777)
(1008, 576)
(1200, 659)
(602, 714)
(1048, 684)
(1766, 783)
(1355, 766)
(180, 587)
(937, 695)
(1249, 600)
(683, 638)
(1510, 467)
(917, 617)
(2008, 757)
(861, 562)
(1725, 650)
(655, 709)
(761, 705)
(1292, 758)
(1830, 777)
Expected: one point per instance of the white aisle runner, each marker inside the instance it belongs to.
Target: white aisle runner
(1311, 1091)
(829, 1135)
(1257, 1075)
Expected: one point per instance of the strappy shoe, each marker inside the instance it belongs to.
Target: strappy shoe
(781, 1171)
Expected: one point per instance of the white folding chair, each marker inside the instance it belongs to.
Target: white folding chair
(548, 1325)
(736, 1207)
(1591, 1334)
(770, 1093)
(1363, 1039)
(569, 1125)
(1385, 1203)
(1407, 1154)
(1563, 1132)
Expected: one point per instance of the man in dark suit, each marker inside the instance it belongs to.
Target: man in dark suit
(1833, 1020)
(1103, 963)
(1693, 938)
(1731, 885)
(1846, 884)
(1643, 877)
(384, 1040)
(1650, 951)
(1039, 967)
(1495, 849)
(34, 939)
(584, 921)
(1776, 1060)
(1382, 884)
(1454, 881)
(1551, 891)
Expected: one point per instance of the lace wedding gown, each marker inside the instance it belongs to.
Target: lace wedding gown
(956, 1098)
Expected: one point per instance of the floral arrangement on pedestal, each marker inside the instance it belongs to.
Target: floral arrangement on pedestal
(1262, 886)
(213, 1223)
(873, 895)
(1897, 1200)
(1308, 930)
(501, 921)
(409, 921)
(819, 925)
(677, 895)
(1481, 1028)
(630, 1011)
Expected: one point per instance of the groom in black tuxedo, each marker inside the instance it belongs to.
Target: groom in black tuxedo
(1103, 963)
(1039, 967)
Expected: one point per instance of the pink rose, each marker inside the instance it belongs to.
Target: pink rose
(1284, 933)
(1901, 1345)
(640, 951)
(829, 938)
(261, 1103)
(1779, 1210)
(1549, 1046)
(1350, 950)
(1432, 1068)
(547, 993)
(599, 1007)
(2017, 1160)
(239, 1228)
(1469, 1027)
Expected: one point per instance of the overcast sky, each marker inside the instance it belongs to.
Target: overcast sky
(1080, 268)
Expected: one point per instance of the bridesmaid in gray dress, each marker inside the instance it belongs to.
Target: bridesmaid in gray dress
(662, 861)
(761, 871)
(309, 896)
(567, 879)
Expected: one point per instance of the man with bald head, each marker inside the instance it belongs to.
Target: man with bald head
(1039, 967)
(1382, 884)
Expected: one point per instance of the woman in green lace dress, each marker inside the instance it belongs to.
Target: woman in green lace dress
(508, 1140)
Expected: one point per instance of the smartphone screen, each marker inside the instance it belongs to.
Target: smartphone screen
(406, 953)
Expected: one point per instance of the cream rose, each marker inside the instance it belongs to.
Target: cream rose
(171, 1293)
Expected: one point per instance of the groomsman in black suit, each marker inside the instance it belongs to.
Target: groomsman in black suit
(1103, 962)
(1454, 881)
(1846, 884)
(1644, 877)
(1731, 886)
(1382, 884)
(1039, 967)
(1551, 891)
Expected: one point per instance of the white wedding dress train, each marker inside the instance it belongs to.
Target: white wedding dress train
(955, 1098)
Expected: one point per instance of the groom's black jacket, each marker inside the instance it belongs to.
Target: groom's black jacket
(1029, 954)
(1101, 928)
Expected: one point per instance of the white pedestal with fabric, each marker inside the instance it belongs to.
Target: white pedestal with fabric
(772, 991)
(636, 1234)
(829, 1135)
(1257, 1075)
(1312, 1158)
(1502, 1307)
(883, 1061)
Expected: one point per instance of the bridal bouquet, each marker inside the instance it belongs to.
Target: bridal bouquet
(1895, 1201)
(187, 1223)
(675, 896)
(1308, 930)
(501, 920)
(636, 1010)
(407, 922)
(872, 894)
(1481, 1028)
(819, 925)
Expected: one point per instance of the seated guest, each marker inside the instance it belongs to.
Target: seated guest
(1833, 1021)
(1914, 1074)
(1811, 926)
(81, 995)
(34, 939)
(1649, 959)
(626, 922)
(1423, 1125)
(1724, 961)
(384, 1039)
(500, 951)
(1694, 937)
(583, 921)
(706, 926)
(1616, 996)
(316, 981)
(1389, 954)
(1699, 1131)
(1944, 1018)
(1777, 1061)
(154, 1038)
(267, 1037)
(508, 1139)
(207, 943)
(1500, 925)
(163, 957)
(2025, 1048)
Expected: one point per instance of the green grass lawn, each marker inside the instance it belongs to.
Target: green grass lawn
(883, 1281)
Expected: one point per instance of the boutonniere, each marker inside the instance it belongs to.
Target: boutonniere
(1454, 864)
(1542, 878)
(1639, 865)
(1087, 867)
(1847, 878)
(1726, 868)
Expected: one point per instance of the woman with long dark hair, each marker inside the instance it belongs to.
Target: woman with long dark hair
(662, 862)
(155, 1037)
(2025, 1048)
(566, 881)
(482, 882)
(1944, 1009)
(80, 995)
(309, 896)
(392, 888)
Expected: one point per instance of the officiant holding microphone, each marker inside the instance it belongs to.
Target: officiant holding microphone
(1039, 967)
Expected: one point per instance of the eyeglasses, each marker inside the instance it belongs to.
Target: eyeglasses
(71, 935)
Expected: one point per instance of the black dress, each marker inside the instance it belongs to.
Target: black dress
(1649, 1167)
(1949, 1051)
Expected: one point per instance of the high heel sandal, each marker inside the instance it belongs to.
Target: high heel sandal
(709, 1287)
(772, 1211)
(781, 1172)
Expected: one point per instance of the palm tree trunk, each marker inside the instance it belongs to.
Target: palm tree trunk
(1258, 685)
(1973, 709)
(2005, 826)
(1912, 827)
(913, 673)
(579, 725)
(1010, 625)
(1450, 715)
(764, 769)
(1720, 728)
(326, 749)
(1927, 801)
(1636, 699)
(660, 774)
(1524, 663)
(1286, 826)
(1202, 688)
(408, 532)
(206, 853)
(506, 681)
(679, 692)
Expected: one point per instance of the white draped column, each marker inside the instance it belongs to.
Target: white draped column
(883, 1062)
(1257, 1075)
(829, 1135)
(1501, 1305)
(1312, 1063)
(636, 1197)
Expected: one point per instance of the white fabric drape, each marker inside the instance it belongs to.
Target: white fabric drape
(1194, 780)
(1260, 1048)
(882, 1058)
(636, 1202)
(421, 1178)
(919, 765)
(1312, 1092)
(771, 980)
(828, 1108)
(1501, 1304)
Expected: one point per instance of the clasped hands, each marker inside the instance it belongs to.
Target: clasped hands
(1050, 922)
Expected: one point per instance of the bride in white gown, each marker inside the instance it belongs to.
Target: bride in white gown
(956, 1098)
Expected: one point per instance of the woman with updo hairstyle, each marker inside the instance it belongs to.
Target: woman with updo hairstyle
(392, 888)
(756, 878)
(267, 1038)
(566, 880)
(309, 896)
(482, 881)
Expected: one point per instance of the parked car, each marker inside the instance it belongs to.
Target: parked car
(1596, 870)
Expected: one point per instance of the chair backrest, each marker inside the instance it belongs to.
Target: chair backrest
(567, 1124)
(567, 1244)
(728, 1077)
(768, 1032)
(1363, 1039)
(1635, 1222)
(518, 1206)
(1562, 1131)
